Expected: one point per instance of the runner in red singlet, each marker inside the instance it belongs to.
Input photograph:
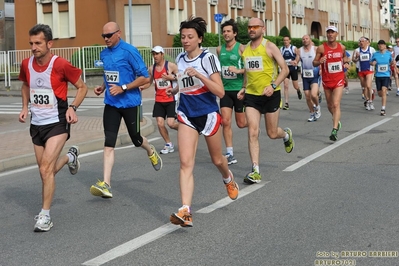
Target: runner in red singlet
(332, 59)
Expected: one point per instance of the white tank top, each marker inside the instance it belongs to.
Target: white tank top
(43, 103)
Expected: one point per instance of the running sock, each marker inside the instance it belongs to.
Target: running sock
(70, 157)
(383, 107)
(45, 212)
(286, 137)
(255, 167)
(186, 206)
(227, 180)
(229, 150)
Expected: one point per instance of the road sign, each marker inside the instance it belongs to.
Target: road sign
(98, 63)
(218, 18)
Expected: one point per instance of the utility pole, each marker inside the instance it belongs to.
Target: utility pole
(2, 26)
(130, 23)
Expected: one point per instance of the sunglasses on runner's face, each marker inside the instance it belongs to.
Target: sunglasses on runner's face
(109, 35)
(255, 27)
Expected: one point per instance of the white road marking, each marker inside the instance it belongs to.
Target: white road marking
(226, 201)
(16, 171)
(333, 146)
(132, 245)
(161, 231)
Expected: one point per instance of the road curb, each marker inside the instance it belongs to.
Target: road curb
(86, 146)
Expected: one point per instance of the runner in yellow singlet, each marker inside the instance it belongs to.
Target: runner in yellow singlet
(262, 94)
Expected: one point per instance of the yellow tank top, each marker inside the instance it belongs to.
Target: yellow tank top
(261, 70)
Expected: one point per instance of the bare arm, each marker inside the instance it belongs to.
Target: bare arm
(345, 58)
(296, 60)
(172, 72)
(81, 87)
(318, 57)
(355, 56)
(25, 102)
(240, 70)
(147, 85)
(274, 52)
(218, 51)
(298, 56)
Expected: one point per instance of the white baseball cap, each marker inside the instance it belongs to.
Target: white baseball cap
(157, 49)
(331, 27)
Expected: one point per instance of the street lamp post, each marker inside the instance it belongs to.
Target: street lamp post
(219, 18)
(130, 23)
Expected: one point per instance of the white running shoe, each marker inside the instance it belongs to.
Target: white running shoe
(372, 106)
(167, 149)
(230, 159)
(312, 118)
(317, 112)
(43, 223)
(368, 106)
(75, 164)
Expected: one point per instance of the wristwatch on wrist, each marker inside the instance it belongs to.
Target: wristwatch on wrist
(73, 107)
(274, 86)
(124, 87)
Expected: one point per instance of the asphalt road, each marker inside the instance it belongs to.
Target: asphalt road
(323, 203)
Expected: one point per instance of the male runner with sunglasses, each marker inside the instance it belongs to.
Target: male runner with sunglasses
(124, 73)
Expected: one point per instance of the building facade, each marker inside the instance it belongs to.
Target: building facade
(78, 23)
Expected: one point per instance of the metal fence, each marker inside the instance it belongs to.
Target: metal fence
(3, 67)
(86, 58)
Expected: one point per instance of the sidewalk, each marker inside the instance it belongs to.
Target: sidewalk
(88, 134)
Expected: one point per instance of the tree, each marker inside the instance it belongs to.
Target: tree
(242, 36)
(284, 32)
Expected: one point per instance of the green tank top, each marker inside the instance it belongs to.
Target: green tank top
(231, 81)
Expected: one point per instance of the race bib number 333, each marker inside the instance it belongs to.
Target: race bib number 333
(42, 98)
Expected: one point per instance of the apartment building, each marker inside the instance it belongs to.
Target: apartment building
(145, 23)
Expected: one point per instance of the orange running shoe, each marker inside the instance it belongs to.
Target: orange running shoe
(232, 188)
(182, 217)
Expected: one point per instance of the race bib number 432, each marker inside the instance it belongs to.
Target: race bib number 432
(228, 74)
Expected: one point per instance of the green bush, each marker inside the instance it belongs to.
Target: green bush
(242, 36)
(273, 39)
(352, 74)
(210, 40)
